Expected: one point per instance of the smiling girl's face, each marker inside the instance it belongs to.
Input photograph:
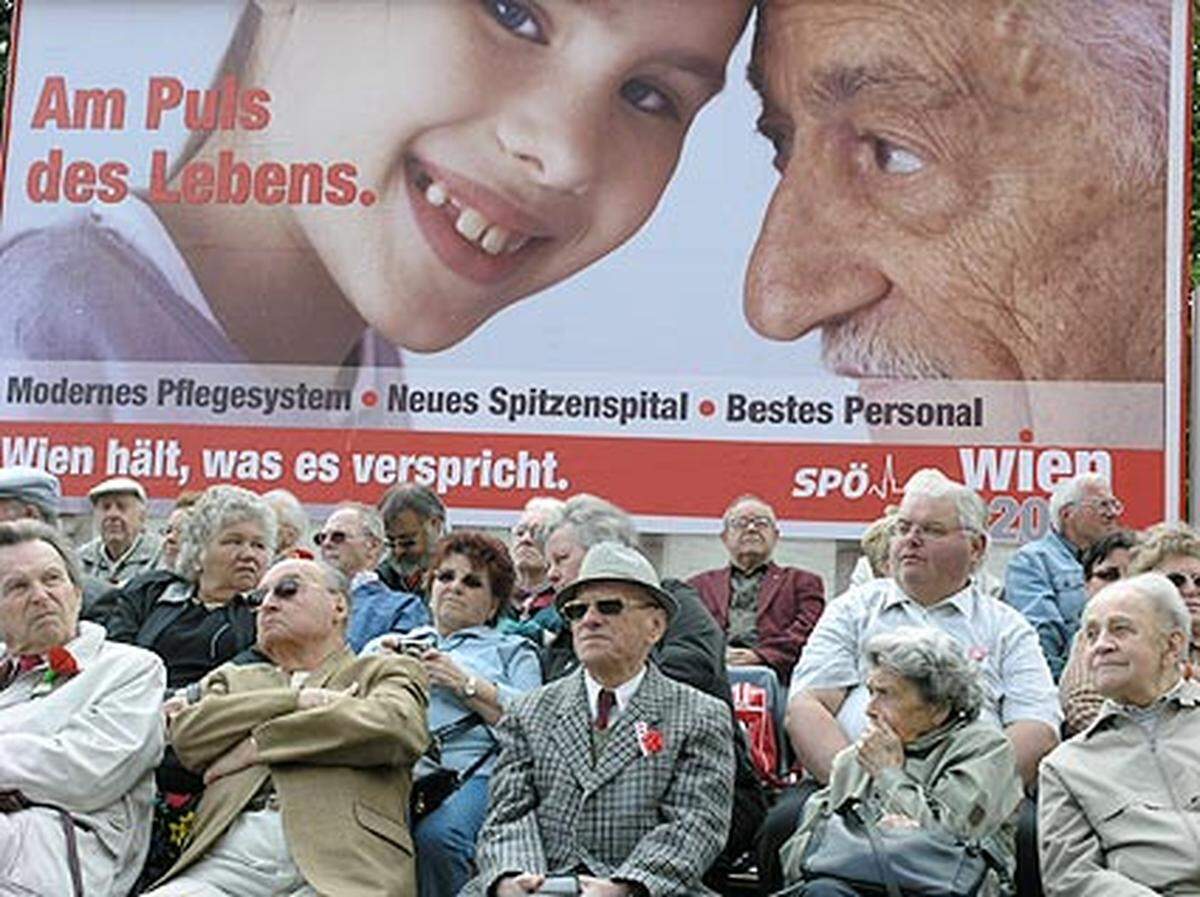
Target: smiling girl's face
(509, 143)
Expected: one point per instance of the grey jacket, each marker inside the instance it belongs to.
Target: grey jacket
(1119, 808)
(141, 557)
(658, 816)
(961, 777)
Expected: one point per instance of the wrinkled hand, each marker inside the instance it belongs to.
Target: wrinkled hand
(602, 887)
(319, 697)
(242, 755)
(742, 657)
(516, 885)
(442, 670)
(880, 748)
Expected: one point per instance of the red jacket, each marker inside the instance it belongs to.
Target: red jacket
(790, 601)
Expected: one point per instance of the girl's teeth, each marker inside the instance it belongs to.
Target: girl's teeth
(471, 224)
(495, 238)
(436, 195)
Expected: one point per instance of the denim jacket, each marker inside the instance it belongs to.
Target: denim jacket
(1044, 581)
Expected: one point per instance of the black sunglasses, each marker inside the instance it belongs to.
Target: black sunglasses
(286, 589)
(337, 537)
(1107, 574)
(607, 607)
(1179, 580)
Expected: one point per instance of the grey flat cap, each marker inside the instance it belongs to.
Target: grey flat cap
(31, 485)
(117, 486)
(614, 562)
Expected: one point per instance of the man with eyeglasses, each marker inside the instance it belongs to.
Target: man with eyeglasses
(307, 756)
(533, 592)
(414, 518)
(1044, 580)
(617, 776)
(351, 541)
(937, 545)
(767, 610)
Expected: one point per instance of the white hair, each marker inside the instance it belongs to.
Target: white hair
(1070, 492)
(368, 518)
(595, 520)
(1164, 599)
(932, 483)
(288, 509)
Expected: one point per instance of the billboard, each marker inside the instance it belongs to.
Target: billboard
(509, 249)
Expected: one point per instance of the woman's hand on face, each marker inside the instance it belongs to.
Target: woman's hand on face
(442, 670)
(880, 748)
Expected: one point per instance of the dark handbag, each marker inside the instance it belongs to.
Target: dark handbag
(894, 862)
(431, 790)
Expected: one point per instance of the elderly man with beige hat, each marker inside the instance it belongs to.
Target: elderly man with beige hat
(122, 548)
(615, 778)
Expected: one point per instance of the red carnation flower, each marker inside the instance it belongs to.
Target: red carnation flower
(62, 662)
(652, 741)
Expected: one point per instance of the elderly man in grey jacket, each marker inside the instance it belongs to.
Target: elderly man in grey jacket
(1118, 803)
(80, 731)
(616, 776)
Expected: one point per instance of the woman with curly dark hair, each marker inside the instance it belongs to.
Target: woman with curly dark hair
(475, 672)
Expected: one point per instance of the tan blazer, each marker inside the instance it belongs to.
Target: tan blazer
(342, 771)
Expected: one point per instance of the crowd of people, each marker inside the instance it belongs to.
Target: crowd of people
(402, 709)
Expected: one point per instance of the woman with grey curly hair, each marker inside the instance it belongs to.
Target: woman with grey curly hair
(925, 761)
(196, 617)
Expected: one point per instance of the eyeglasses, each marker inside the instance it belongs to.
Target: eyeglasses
(759, 521)
(607, 607)
(285, 590)
(401, 540)
(903, 527)
(1179, 580)
(1111, 506)
(1107, 574)
(471, 581)
(333, 537)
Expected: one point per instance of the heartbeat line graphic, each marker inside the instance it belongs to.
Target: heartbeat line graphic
(888, 485)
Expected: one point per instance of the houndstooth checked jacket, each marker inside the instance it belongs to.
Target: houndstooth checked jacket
(656, 818)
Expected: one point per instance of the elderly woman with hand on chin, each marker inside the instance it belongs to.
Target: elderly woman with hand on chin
(475, 672)
(925, 761)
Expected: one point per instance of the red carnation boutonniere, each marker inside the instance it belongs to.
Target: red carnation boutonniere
(61, 666)
(649, 740)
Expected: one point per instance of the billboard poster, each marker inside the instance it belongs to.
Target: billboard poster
(661, 252)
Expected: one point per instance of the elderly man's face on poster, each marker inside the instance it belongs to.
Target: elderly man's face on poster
(970, 189)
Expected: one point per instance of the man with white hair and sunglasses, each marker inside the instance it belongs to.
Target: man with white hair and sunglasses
(616, 777)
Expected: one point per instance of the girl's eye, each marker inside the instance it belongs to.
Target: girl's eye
(647, 98)
(515, 17)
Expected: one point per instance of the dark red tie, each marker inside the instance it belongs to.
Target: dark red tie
(15, 666)
(604, 706)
